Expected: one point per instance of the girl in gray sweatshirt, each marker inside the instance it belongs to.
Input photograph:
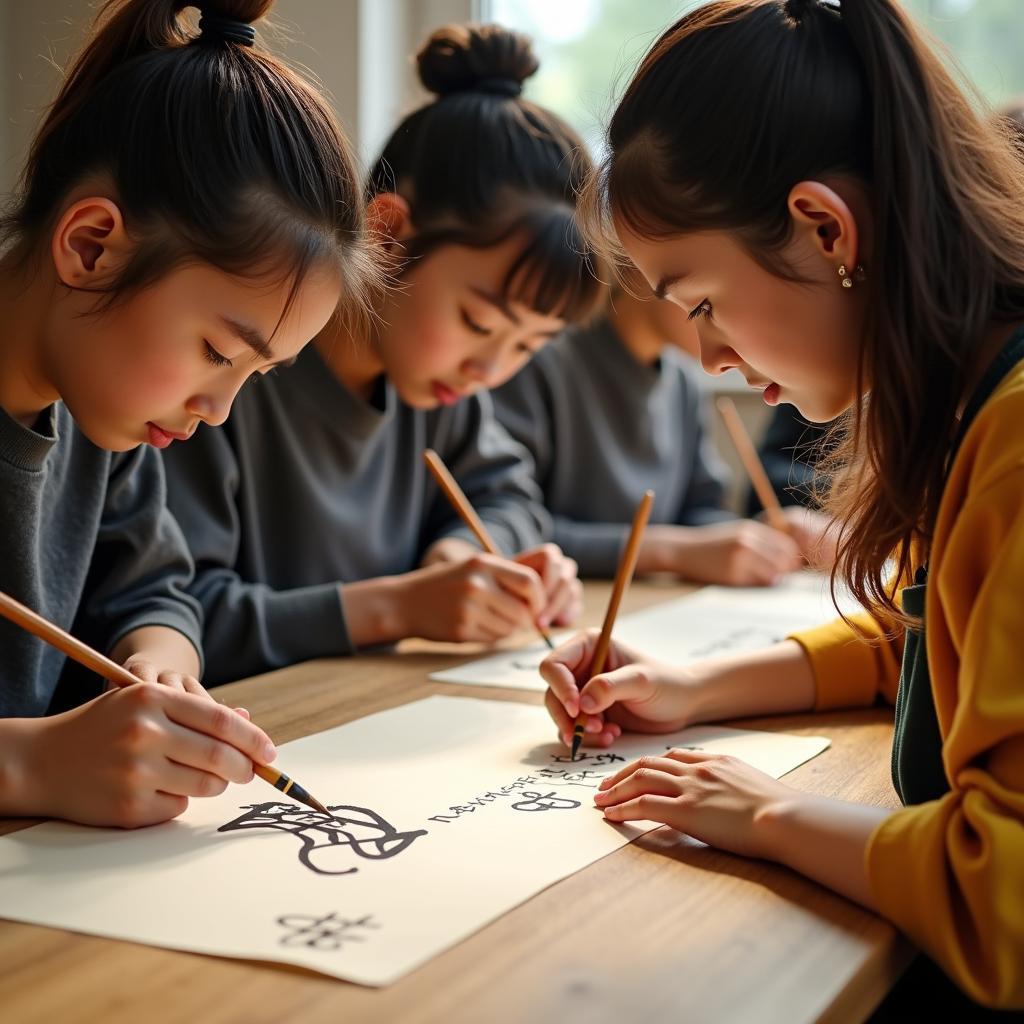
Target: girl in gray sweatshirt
(140, 276)
(314, 523)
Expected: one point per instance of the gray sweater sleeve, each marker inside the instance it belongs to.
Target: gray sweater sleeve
(140, 567)
(496, 474)
(596, 547)
(524, 409)
(249, 627)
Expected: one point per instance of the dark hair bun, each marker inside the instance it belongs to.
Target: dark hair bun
(464, 58)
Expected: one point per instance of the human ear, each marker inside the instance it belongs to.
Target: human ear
(827, 221)
(89, 243)
(389, 218)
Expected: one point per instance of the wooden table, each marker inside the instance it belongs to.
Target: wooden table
(702, 936)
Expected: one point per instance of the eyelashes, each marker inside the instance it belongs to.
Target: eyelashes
(473, 325)
(213, 356)
(702, 311)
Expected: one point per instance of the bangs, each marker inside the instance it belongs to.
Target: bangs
(556, 272)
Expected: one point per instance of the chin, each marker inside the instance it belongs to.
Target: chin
(108, 440)
(816, 411)
(418, 399)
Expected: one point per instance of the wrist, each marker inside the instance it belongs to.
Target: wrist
(775, 825)
(377, 611)
(21, 783)
(658, 550)
(162, 646)
(449, 549)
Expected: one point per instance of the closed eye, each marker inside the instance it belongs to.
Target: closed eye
(701, 311)
(473, 325)
(213, 356)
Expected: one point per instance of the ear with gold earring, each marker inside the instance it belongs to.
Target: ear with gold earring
(849, 277)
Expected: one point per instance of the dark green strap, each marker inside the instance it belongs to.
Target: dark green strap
(918, 773)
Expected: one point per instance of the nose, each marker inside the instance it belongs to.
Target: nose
(717, 358)
(212, 408)
(484, 368)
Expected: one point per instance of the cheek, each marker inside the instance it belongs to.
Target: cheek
(422, 337)
(135, 359)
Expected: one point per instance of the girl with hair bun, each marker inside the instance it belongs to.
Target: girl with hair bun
(844, 225)
(315, 525)
(144, 277)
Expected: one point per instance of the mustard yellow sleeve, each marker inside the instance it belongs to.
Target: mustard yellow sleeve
(852, 664)
(950, 873)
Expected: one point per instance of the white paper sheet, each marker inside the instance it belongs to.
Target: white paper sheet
(713, 621)
(458, 810)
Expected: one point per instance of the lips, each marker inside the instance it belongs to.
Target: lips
(444, 394)
(161, 438)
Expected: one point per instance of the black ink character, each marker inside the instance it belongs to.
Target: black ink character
(327, 933)
(602, 759)
(684, 746)
(327, 839)
(586, 778)
(528, 664)
(533, 801)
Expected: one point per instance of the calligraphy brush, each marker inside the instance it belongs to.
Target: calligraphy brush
(752, 463)
(454, 493)
(35, 624)
(627, 564)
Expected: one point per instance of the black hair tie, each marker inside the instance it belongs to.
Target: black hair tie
(799, 9)
(213, 26)
(499, 87)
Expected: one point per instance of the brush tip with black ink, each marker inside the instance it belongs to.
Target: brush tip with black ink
(577, 740)
(289, 787)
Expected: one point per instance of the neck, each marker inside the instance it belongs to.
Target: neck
(630, 318)
(983, 356)
(354, 359)
(25, 297)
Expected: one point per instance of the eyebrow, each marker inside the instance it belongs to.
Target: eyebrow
(503, 307)
(495, 301)
(667, 282)
(251, 336)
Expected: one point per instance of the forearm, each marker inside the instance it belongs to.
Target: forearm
(773, 681)
(164, 647)
(17, 736)
(824, 839)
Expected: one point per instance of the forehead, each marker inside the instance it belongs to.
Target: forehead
(693, 256)
(483, 272)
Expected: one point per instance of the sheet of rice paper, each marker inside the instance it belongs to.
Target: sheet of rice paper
(444, 814)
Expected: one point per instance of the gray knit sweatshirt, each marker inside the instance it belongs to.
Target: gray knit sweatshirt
(602, 428)
(307, 486)
(85, 540)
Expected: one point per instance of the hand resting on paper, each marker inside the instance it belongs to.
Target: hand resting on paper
(719, 800)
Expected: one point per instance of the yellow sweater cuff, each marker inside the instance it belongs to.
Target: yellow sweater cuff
(848, 667)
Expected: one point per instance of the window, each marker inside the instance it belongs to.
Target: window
(589, 48)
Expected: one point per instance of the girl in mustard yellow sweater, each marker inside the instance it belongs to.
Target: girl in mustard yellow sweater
(846, 229)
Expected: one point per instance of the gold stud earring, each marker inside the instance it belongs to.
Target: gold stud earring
(847, 278)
